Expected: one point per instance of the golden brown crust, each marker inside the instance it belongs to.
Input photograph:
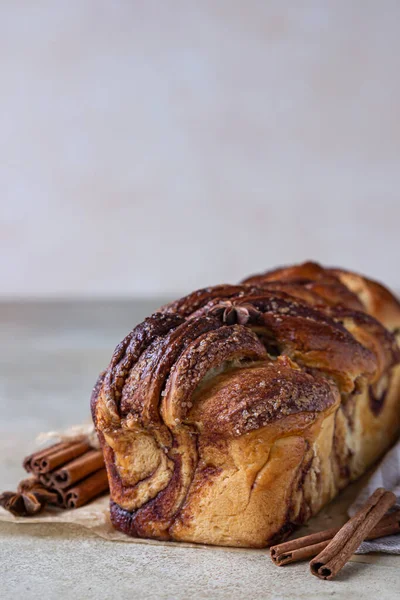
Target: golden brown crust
(129, 351)
(141, 392)
(235, 399)
(189, 304)
(209, 351)
(312, 338)
(249, 398)
(377, 300)
(313, 279)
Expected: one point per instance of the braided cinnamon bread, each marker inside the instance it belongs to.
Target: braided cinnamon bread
(234, 414)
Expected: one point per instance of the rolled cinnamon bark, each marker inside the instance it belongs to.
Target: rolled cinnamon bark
(61, 456)
(332, 559)
(77, 469)
(281, 552)
(86, 490)
(45, 479)
(61, 501)
(311, 545)
(31, 462)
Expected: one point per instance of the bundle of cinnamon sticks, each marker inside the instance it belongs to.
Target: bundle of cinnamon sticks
(67, 474)
(331, 549)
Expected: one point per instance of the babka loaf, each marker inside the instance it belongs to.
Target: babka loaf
(234, 414)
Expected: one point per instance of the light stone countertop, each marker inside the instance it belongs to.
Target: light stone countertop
(50, 355)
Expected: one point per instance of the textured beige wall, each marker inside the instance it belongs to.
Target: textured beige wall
(150, 147)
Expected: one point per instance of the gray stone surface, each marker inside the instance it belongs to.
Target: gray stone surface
(50, 355)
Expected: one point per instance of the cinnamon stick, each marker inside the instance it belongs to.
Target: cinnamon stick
(282, 552)
(60, 456)
(85, 490)
(77, 469)
(45, 479)
(311, 545)
(29, 461)
(332, 559)
(61, 498)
